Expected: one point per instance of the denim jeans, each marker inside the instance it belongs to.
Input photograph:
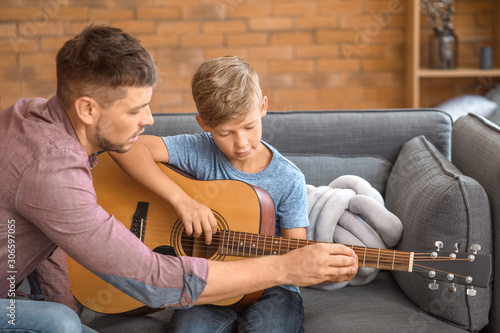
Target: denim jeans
(21, 315)
(278, 310)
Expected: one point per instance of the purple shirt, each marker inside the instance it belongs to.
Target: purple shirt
(47, 200)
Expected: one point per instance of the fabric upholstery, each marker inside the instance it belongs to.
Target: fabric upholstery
(321, 169)
(436, 202)
(476, 152)
(378, 307)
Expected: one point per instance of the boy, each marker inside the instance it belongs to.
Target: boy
(230, 108)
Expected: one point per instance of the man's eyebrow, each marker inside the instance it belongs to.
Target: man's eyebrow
(139, 106)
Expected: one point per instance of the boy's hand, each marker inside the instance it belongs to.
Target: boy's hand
(197, 218)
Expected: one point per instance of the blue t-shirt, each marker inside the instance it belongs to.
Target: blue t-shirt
(198, 155)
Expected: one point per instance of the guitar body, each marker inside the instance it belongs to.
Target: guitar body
(236, 206)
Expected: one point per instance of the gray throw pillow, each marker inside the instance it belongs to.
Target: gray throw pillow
(436, 202)
(320, 170)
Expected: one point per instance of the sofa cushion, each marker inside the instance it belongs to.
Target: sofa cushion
(436, 202)
(320, 170)
(379, 306)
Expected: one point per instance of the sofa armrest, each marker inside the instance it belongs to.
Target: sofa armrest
(476, 152)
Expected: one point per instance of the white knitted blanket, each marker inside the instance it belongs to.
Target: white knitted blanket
(350, 211)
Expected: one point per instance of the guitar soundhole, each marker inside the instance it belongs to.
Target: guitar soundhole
(196, 247)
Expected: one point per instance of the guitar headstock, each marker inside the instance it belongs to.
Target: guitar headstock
(470, 269)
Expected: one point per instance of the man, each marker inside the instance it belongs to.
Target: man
(104, 85)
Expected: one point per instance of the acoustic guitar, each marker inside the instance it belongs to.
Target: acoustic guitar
(245, 217)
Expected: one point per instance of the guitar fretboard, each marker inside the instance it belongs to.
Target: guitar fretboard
(242, 244)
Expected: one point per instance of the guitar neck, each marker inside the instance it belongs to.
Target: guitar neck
(242, 244)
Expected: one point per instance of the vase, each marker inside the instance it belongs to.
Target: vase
(443, 50)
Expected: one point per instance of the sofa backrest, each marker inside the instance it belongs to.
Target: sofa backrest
(476, 152)
(327, 144)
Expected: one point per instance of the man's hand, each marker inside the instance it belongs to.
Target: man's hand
(320, 263)
(197, 218)
(306, 266)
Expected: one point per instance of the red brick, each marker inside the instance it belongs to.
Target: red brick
(189, 40)
(382, 65)
(179, 55)
(53, 43)
(178, 27)
(327, 36)
(306, 8)
(149, 41)
(8, 60)
(341, 7)
(317, 51)
(213, 27)
(292, 66)
(15, 43)
(223, 51)
(134, 26)
(295, 95)
(204, 11)
(247, 39)
(72, 13)
(99, 14)
(10, 87)
(244, 10)
(271, 52)
(270, 23)
(291, 38)
(7, 30)
(334, 65)
(30, 59)
(155, 13)
(315, 22)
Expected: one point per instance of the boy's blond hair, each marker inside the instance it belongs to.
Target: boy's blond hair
(224, 89)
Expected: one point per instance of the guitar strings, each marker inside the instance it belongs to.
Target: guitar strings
(266, 243)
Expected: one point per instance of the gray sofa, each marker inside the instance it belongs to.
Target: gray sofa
(406, 155)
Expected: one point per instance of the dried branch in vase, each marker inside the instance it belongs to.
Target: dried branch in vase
(439, 13)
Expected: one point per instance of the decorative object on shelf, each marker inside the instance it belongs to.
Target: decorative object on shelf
(444, 42)
(486, 57)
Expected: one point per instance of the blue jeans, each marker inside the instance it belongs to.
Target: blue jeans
(277, 310)
(20, 315)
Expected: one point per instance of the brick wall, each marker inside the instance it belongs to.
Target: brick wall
(310, 54)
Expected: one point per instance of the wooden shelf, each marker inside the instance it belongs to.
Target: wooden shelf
(459, 72)
(414, 73)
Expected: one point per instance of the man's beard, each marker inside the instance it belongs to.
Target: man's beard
(107, 145)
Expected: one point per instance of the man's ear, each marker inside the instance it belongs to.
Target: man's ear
(86, 109)
(202, 124)
(263, 107)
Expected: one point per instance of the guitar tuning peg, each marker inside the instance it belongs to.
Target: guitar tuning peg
(471, 291)
(439, 245)
(453, 289)
(457, 247)
(433, 285)
(475, 248)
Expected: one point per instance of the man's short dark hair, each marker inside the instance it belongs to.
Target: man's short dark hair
(101, 62)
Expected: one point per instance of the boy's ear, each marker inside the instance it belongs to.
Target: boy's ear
(263, 107)
(86, 108)
(202, 124)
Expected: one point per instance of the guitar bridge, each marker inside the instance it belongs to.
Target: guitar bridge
(138, 226)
